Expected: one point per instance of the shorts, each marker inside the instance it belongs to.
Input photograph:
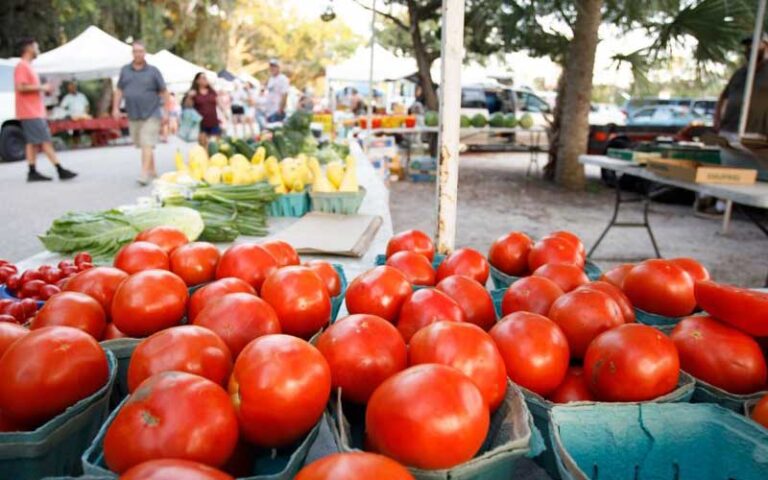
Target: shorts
(211, 130)
(238, 110)
(145, 133)
(35, 131)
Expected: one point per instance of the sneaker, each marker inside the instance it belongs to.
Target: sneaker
(65, 174)
(143, 181)
(34, 176)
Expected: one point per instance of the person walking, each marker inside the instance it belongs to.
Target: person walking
(31, 112)
(277, 92)
(145, 94)
(206, 102)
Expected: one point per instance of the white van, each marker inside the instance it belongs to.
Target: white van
(11, 136)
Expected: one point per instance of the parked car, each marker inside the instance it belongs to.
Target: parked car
(606, 114)
(666, 115)
(11, 136)
(703, 106)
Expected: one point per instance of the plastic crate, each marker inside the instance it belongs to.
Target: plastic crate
(541, 409)
(55, 447)
(511, 436)
(345, 203)
(338, 300)
(502, 280)
(5, 293)
(658, 441)
(122, 349)
(277, 464)
(289, 205)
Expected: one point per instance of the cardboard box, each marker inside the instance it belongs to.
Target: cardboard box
(639, 158)
(696, 172)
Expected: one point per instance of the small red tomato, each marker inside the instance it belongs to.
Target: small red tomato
(7, 318)
(328, 274)
(68, 270)
(32, 287)
(473, 298)
(195, 262)
(83, 257)
(4, 303)
(30, 306)
(416, 267)
(6, 272)
(52, 275)
(283, 252)
(530, 294)
(554, 250)
(138, 256)
(65, 263)
(573, 389)
(84, 266)
(467, 262)
(566, 276)
(167, 238)
(424, 307)
(16, 310)
(509, 253)
(13, 283)
(414, 241)
(30, 275)
(615, 276)
(380, 291)
(47, 291)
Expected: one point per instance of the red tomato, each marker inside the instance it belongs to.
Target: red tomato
(111, 332)
(583, 315)
(416, 267)
(300, 299)
(661, 287)
(139, 256)
(467, 262)
(172, 415)
(742, 308)
(554, 250)
(573, 389)
(631, 363)
(48, 370)
(328, 274)
(10, 332)
(473, 298)
(424, 307)
(72, 309)
(509, 253)
(205, 295)
(195, 262)
(693, 267)
(414, 241)
(187, 348)
(280, 386)
(148, 302)
(615, 276)
(354, 466)
(530, 294)
(467, 348)
(720, 355)
(247, 261)
(283, 252)
(444, 414)
(573, 238)
(534, 349)
(380, 291)
(100, 283)
(362, 351)
(238, 318)
(170, 469)
(8, 425)
(565, 275)
(760, 412)
(617, 295)
(167, 238)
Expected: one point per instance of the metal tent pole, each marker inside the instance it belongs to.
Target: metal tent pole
(370, 78)
(452, 51)
(756, 40)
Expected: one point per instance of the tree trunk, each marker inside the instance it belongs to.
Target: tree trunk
(574, 124)
(553, 132)
(423, 62)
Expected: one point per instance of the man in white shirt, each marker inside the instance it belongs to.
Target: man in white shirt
(74, 103)
(277, 93)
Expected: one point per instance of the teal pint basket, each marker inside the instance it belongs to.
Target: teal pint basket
(279, 464)
(289, 205)
(708, 393)
(338, 300)
(511, 437)
(657, 441)
(654, 320)
(502, 280)
(344, 203)
(122, 349)
(54, 449)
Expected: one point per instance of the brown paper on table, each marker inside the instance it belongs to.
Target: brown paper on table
(331, 234)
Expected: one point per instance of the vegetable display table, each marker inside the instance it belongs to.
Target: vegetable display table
(749, 195)
(100, 129)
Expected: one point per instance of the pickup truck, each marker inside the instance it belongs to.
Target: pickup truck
(603, 137)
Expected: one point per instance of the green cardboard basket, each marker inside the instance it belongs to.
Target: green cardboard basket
(289, 205)
(122, 349)
(55, 447)
(277, 464)
(345, 203)
(658, 441)
(338, 300)
(708, 393)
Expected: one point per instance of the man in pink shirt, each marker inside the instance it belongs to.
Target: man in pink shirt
(31, 112)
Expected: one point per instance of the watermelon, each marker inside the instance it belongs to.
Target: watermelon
(497, 120)
(510, 121)
(431, 119)
(479, 121)
(465, 122)
(526, 121)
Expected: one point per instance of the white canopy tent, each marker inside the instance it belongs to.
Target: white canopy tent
(387, 66)
(91, 55)
(178, 73)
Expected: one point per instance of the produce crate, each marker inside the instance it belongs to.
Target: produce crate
(338, 300)
(658, 441)
(289, 205)
(5, 293)
(55, 447)
(122, 349)
(422, 176)
(541, 409)
(345, 203)
(422, 162)
(511, 436)
(704, 155)
(502, 280)
(277, 464)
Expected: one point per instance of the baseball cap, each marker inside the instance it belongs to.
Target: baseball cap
(273, 61)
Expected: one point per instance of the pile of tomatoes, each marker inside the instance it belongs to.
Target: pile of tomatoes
(44, 281)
